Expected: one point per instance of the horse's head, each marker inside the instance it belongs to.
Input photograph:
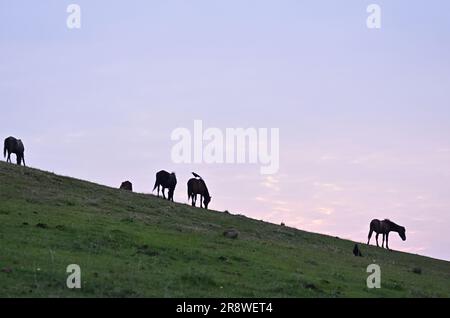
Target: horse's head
(206, 200)
(402, 233)
(172, 179)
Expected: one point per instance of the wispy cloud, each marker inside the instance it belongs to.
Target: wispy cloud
(326, 211)
(271, 183)
(327, 186)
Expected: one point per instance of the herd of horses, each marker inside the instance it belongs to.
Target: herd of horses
(196, 186)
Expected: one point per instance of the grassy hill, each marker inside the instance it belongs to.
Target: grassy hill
(135, 245)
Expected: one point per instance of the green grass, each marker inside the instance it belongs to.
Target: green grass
(135, 245)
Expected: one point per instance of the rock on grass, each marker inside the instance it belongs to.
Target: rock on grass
(232, 234)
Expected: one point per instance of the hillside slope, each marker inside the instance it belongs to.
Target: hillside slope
(135, 245)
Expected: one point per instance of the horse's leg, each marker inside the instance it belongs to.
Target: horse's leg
(23, 160)
(387, 240)
(164, 195)
(376, 238)
(370, 235)
(9, 157)
(382, 244)
(201, 201)
(193, 199)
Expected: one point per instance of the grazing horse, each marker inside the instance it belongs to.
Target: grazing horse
(13, 145)
(198, 186)
(384, 227)
(166, 181)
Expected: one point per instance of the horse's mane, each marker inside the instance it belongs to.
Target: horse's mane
(206, 188)
(391, 223)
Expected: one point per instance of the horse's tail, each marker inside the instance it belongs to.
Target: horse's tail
(189, 190)
(4, 149)
(156, 184)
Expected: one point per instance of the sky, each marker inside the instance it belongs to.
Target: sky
(363, 114)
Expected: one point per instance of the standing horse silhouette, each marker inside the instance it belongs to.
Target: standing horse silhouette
(198, 186)
(166, 181)
(13, 145)
(384, 227)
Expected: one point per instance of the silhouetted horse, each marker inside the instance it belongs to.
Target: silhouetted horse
(13, 145)
(166, 181)
(384, 227)
(126, 185)
(198, 186)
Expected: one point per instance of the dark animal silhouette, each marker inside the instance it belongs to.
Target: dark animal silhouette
(13, 145)
(196, 175)
(384, 227)
(198, 186)
(356, 250)
(127, 185)
(166, 180)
